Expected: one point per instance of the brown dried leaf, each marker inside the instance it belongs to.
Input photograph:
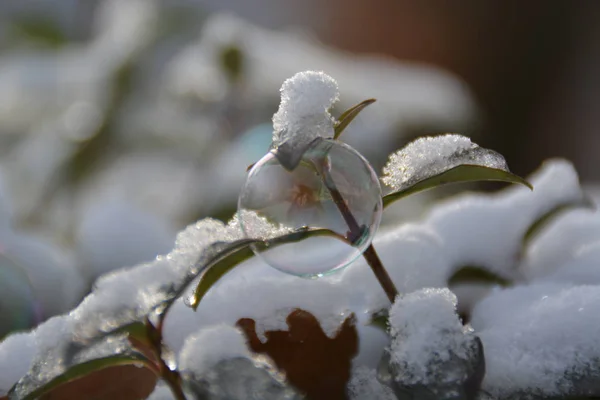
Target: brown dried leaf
(123, 382)
(317, 365)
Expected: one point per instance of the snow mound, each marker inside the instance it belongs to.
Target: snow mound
(426, 335)
(540, 339)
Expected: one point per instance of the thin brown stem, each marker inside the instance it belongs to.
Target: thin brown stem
(173, 380)
(380, 273)
(355, 233)
(171, 377)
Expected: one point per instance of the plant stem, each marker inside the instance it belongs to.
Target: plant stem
(173, 380)
(171, 377)
(369, 254)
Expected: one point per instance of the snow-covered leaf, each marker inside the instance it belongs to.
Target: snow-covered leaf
(59, 359)
(434, 161)
(349, 115)
(122, 376)
(228, 255)
(473, 274)
(545, 219)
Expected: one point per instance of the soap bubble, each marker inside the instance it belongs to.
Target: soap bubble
(18, 308)
(331, 177)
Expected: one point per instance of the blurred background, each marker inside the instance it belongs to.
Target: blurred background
(122, 121)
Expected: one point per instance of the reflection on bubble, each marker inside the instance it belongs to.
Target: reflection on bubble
(18, 307)
(331, 177)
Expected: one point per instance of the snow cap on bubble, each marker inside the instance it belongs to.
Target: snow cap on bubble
(304, 109)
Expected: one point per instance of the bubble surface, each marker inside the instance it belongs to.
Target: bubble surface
(333, 188)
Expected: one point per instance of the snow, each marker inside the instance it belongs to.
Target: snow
(303, 115)
(306, 95)
(209, 346)
(161, 392)
(423, 323)
(581, 269)
(488, 230)
(426, 334)
(561, 241)
(429, 156)
(48, 351)
(304, 109)
(539, 339)
(364, 385)
(16, 353)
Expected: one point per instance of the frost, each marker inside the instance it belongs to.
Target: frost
(540, 339)
(364, 385)
(256, 226)
(430, 156)
(427, 335)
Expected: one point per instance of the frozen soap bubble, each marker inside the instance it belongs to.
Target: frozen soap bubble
(330, 178)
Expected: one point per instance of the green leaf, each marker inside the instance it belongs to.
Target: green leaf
(228, 255)
(543, 221)
(381, 320)
(473, 274)
(460, 173)
(41, 31)
(86, 369)
(349, 115)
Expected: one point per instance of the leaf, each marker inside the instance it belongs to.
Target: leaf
(543, 221)
(225, 256)
(381, 320)
(473, 274)
(314, 363)
(119, 377)
(432, 161)
(349, 115)
(461, 173)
